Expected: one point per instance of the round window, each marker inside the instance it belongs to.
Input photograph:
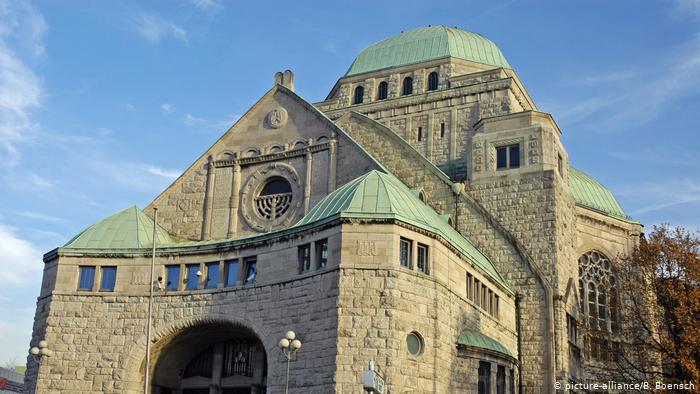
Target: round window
(274, 198)
(414, 342)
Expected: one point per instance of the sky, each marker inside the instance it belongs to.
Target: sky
(104, 104)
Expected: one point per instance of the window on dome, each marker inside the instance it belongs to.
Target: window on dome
(407, 86)
(433, 81)
(383, 91)
(359, 95)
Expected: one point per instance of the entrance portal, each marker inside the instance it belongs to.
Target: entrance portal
(213, 358)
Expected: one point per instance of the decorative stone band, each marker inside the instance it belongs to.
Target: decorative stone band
(273, 156)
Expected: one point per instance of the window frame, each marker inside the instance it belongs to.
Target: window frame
(250, 263)
(426, 258)
(433, 81)
(304, 258)
(207, 283)
(102, 278)
(168, 281)
(81, 270)
(321, 253)
(508, 150)
(407, 86)
(358, 95)
(383, 90)
(409, 255)
(227, 268)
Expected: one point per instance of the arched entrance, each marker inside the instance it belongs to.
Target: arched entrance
(211, 358)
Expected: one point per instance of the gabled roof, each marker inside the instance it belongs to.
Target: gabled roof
(476, 339)
(377, 195)
(589, 193)
(127, 229)
(425, 44)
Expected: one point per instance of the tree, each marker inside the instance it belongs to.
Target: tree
(660, 304)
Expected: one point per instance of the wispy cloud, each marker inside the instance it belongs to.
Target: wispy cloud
(657, 196)
(40, 216)
(207, 6)
(215, 125)
(606, 77)
(658, 157)
(21, 91)
(18, 257)
(154, 29)
(165, 173)
(167, 108)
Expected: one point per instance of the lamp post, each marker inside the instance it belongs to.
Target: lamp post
(39, 354)
(289, 346)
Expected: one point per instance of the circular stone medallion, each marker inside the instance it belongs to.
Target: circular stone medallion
(277, 117)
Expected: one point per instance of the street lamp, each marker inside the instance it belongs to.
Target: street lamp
(289, 346)
(39, 354)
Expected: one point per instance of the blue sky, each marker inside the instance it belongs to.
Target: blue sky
(103, 104)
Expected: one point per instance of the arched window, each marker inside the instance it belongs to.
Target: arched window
(407, 86)
(359, 94)
(382, 91)
(599, 300)
(274, 198)
(433, 81)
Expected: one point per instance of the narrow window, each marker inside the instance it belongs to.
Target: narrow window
(491, 302)
(304, 253)
(192, 278)
(496, 307)
(484, 297)
(477, 292)
(501, 380)
(172, 277)
(109, 278)
(442, 130)
(484, 377)
(407, 86)
(591, 306)
(251, 271)
(470, 294)
(212, 275)
(512, 381)
(87, 278)
(359, 95)
(420, 134)
(322, 253)
(232, 272)
(508, 156)
(433, 81)
(422, 255)
(405, 252)
(602, 306)
(383, 91)
(560, 165)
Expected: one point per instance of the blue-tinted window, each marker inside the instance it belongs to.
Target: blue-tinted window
(212, 275)
(501, 157)
(109, 278)
(405, 252)
(192, 278)
(87, 278)
(251, 271)
(433, 81)
(173, 277)
(514, 156)
(231, 272)
(508, 156)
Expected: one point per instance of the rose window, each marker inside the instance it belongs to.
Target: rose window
(274, 198)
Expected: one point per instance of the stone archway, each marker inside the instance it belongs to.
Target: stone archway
(210, 358)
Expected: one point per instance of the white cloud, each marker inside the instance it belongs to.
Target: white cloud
(167, 108)
(606, 77)
(19, 259)
(21, 27)
(153, 29)
(40, 216)
(656, 196)
(215, 125)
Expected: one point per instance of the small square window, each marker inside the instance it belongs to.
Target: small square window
(322, 253)
(422, 258)
(232, 273)
(251, 270)
(109, 278)
(172, 277)
(212, 275)
(87, 278)
(304, 258)
(508, 156)
(405, 252)
(192, 282)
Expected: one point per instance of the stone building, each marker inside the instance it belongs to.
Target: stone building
(423, 216)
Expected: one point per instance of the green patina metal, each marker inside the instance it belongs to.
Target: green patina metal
(380, 196)
(127, 229)
(476, 339)
(425, 44)
(589, 193)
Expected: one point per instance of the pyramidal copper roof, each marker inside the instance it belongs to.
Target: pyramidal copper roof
(127, 229)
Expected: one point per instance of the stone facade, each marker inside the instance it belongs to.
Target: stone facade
(475, 150)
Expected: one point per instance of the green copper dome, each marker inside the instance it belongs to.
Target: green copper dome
(589, 193)
(425, 44)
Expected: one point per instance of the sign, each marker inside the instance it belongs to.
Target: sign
(372, 382)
